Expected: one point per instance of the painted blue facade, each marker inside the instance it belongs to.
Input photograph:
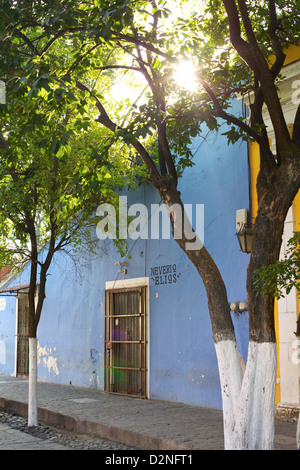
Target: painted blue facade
(182, 359)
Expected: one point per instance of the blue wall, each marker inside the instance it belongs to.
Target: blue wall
(183, 364)
(7, 336)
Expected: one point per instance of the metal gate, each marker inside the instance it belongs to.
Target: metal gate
(125, 341)
(22, 334)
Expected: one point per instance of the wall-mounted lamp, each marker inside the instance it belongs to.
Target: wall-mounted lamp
(244, 230)
(245, 237)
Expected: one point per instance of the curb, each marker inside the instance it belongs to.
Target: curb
(91, 428)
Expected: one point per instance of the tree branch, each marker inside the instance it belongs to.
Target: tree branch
(256, 61)
(27, 41)
(149, 47)
(247, 24)
(241, 46)
(113, 67)
(261, 140)
(58, 35)
(165, 156)
(105, 120)
(280, 56)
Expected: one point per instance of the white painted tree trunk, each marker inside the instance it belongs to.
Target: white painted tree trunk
(248, 402)
(298, 433)
(230, 372)
(32, 389)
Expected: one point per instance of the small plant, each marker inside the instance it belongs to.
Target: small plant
(280, 278)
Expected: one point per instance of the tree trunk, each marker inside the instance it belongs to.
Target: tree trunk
(249, 400)
(32, 388)
(35, 310)
(231, 378)
(251, 420)
(229, 363)
(189, 242)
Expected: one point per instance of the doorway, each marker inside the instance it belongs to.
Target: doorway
(125, 365)
(22, 334)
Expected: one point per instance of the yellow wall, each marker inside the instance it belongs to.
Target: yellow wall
(297, 212)
(292, 54)
(297, 226)
(254, 168)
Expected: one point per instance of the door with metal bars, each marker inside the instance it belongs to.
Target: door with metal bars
(22, 334)
(125, 341)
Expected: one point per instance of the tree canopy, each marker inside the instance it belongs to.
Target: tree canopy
(59, 61)
(55, 48)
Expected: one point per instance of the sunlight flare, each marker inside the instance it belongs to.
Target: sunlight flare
(185, 75)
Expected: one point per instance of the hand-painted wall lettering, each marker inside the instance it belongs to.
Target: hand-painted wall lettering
(166, 274)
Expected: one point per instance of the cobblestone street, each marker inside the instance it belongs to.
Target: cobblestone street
(16, 435)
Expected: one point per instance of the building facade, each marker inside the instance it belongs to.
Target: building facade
(142, 328)
(140, 325)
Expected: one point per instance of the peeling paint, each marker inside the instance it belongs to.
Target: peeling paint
(48, 361)
(94, 379)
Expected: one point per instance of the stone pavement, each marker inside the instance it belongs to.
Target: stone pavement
(144, 424)
(12, 439)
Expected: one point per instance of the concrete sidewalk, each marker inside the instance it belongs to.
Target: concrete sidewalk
(144, 424)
